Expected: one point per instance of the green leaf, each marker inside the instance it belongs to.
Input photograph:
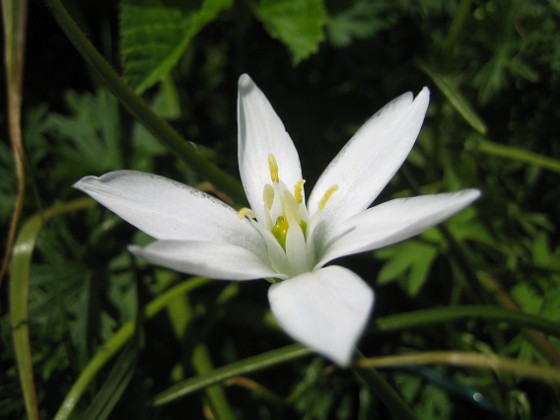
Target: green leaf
(115, 384)
(20, 277)
(92, 130)
(166, 134)
(156, 34)
(298, 24)
(117, 341)
(242, 367)
(515, 153)
(361, 20)
(373, 380)
(412, 260)
(455, 98)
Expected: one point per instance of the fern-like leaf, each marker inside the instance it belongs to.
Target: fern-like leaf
(156, 34)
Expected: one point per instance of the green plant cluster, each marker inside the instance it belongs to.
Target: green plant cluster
(87, 331)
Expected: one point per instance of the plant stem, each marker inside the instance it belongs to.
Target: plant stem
(140, 110)
(465, 359)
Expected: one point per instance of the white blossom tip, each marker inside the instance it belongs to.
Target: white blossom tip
(84, 182)
(245, 82)
(423, 98)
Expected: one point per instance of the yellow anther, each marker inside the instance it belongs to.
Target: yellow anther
(268, 196)
(273, 167)
(247, 212)
(280, 230)
(298, 191)
(327, 196)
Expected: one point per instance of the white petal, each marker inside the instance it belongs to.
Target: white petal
(392, 222)
(276, 254)
(296, 250)
(209, 259)
(166, 209)
(370, 159)
(261, 133)
(326, 310)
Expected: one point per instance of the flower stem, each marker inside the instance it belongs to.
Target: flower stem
(465, 359)
(140, 110)
(14, 13)
(385, 392)
(516, 154)
(117, 341)
(242, 367)
(456, 27)
(437, 316)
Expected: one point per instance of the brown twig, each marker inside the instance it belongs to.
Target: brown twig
(14, 13)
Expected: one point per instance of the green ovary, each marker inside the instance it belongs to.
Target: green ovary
(280, 230)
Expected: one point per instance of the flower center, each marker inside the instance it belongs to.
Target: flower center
(282, 207)
(286, 217)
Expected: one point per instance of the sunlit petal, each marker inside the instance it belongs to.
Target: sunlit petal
(392, 222)
(326, 310)
(166, 209)
(261, 133)
(209, 259)
(370, 159)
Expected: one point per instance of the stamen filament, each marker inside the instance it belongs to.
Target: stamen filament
(327, 196)
(247, 212)
(298, 191)
(273, 168)
(268, 195)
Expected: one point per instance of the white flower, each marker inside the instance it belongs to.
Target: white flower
(283, 237)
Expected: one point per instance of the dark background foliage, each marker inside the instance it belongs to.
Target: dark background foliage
(493, 68)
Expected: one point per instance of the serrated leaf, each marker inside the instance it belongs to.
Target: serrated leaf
(360, 20)
(92, 130)
(394, 268)
(422, 261)
(411, 260)
(156, 33)
(298, 24)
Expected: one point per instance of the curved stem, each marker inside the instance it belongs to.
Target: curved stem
(20, 278)
(516, 154)
(239, 368)
(14, 13)
(427, 317)
(465, 359)
(385, 392)
(139, 110)
(456, 27)
(117, 341)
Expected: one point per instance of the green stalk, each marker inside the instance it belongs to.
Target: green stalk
(14, 13)
(117, 341)
(20, 279)
(465, 359)
(385, 392)
(239, 368)
(408, 320)
(140, 110)
(202, 363)
(518, 154)
(455, 97)
(456, 26)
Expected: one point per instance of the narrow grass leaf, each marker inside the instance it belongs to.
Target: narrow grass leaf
(242, 367)
(19, 296)
(455, 98)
